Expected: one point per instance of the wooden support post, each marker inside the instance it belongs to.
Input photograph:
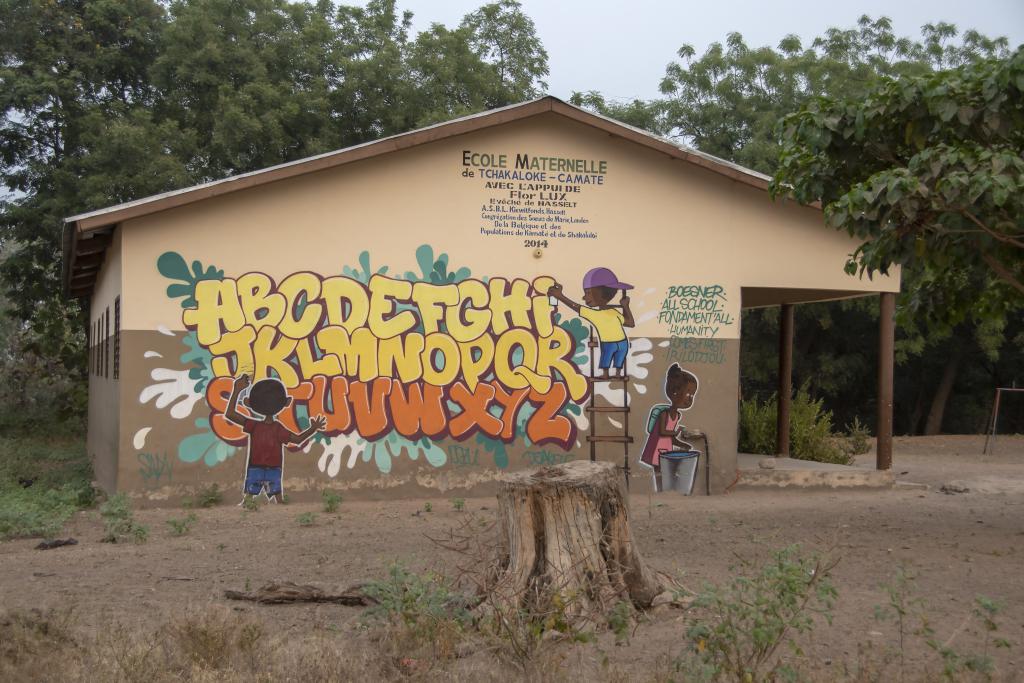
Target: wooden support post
(886, 344)
(785, 379)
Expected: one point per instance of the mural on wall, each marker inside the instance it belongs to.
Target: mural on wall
(665, 430)
(599, 289)
(390, 364)
(267, 436)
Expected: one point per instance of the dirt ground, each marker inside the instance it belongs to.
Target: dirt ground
(959, 546)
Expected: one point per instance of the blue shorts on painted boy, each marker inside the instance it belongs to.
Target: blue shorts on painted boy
(613, 354)
(258, 477)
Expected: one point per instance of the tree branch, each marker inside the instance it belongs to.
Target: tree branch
(1002, 238)
(1002, 271)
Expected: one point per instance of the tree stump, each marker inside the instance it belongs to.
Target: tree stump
(567, 542)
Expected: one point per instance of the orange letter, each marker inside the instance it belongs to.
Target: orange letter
(546, 425)
(339, 417)
(474, 413)
(418, 409)
(368, 408)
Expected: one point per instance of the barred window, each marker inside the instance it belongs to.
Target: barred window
(117, 337)
(106, 342)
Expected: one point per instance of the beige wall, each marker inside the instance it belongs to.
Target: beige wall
(102, 438)
(660, 223)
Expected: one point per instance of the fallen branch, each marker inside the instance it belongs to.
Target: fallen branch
(287, 592)
(56, 543)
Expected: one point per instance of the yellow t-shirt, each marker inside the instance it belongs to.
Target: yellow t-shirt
(607, 322)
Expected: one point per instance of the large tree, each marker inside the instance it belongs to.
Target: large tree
(928, 172)
(107, 101)
(728, 102)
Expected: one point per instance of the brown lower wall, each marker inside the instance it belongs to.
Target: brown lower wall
(166, 449)
(102, 436)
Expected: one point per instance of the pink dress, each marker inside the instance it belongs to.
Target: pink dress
(657, 444)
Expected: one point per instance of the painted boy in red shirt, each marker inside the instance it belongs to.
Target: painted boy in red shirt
(267, 437)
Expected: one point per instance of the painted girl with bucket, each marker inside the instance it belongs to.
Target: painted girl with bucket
(664, 424)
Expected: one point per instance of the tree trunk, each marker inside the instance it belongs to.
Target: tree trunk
(915, 416)
(933, 425)
(568, 544)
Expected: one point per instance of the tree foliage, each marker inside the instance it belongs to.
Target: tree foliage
(729, 102)
(106, 101)
(928, 172)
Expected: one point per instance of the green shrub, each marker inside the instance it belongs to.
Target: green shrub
(739, 628)
(35, 511)
(45, 462)
(459, 504)
(306, 519)
(811, 435)
(858, 438)
(209, 496)
(180, 527)
(43, 481)
(620, 621)
(810, 431)
(250, 503)
(905, 607)
(331, 500)
(415, 599)
(118, 522)
(757, 426)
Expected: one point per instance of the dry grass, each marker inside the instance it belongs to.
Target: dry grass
(218, 645)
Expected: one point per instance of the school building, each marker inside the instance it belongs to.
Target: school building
(424, 294)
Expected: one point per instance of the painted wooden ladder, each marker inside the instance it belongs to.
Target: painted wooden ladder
(594, 410)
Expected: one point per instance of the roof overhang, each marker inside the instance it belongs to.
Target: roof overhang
(87, 235)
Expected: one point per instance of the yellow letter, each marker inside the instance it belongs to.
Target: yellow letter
(274, 355)
(521, 375)
(383, 293)
(466, 323)
(328, 365)
(337, 291)
(555, 353)
(238, 343)
(255, 293)
(449, 350)
(216, 304)
(542, 308)
(400, 357)
(292, 286)
(357, 354)
(474, 366)
(427, 297)
(509, 304)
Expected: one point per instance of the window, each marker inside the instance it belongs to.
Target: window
(117, 337)
(96, 347)
(106, 342)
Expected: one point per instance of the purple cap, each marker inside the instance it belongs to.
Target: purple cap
(603, 277)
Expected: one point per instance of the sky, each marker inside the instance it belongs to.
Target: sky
(621, 48)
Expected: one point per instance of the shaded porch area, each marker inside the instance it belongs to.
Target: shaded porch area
(781, 470)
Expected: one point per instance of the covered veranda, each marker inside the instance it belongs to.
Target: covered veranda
(782, 470)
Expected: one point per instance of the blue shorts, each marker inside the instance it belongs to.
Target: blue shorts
(256, 478)
(613, 354)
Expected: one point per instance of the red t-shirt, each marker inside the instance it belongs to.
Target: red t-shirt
(265, 442)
